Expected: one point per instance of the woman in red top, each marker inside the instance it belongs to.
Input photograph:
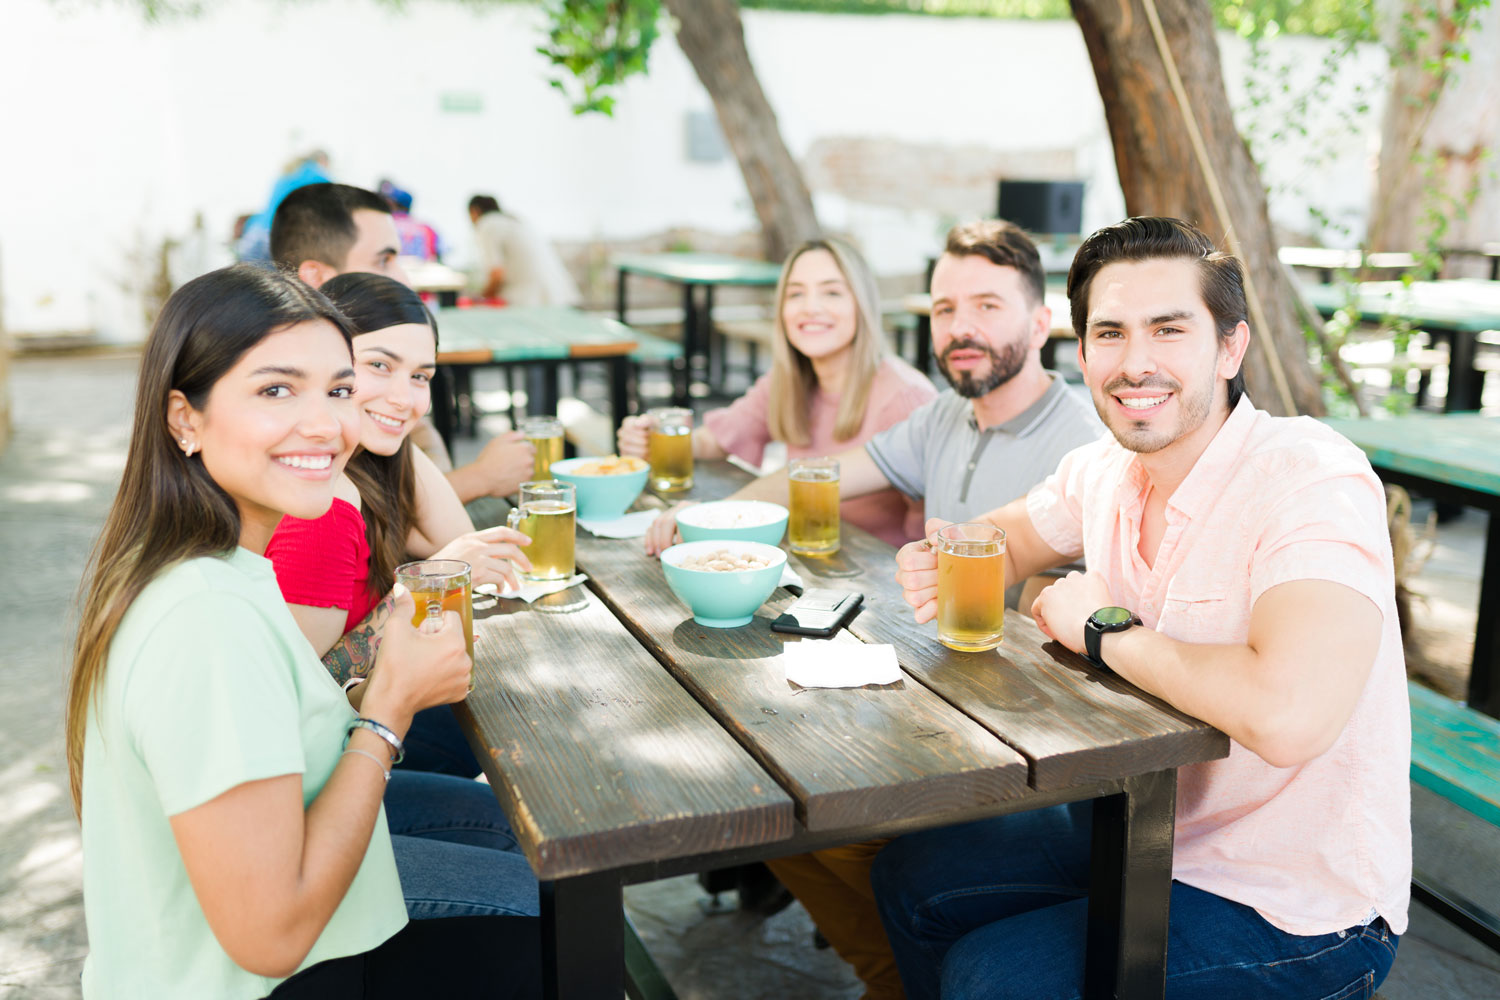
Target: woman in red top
(392, 503)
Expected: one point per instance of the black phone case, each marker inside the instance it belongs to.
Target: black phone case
(819, 613)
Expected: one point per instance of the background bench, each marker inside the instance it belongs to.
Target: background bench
(1455, 752)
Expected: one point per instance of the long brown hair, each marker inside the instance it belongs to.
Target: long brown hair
(169, 508)
(793, 380)
(387, 484)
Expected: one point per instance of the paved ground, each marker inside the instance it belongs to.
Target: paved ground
(56, 480)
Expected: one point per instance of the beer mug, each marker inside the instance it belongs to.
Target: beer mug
(671, 449)
(546, 436)
(545, 515)
(813, 525)
(439, 585)
(971, 585)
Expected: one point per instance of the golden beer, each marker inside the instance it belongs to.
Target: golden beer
(971, 586)
(813, 524)
(458, 599)
(438, 586)
(546, 517)
(546, 436)
(671, 454)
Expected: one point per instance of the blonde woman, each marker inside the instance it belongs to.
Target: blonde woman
(833, 385)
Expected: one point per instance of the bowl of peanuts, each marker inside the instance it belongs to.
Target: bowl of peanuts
(723, 583)
(604, 487)
(733, 521)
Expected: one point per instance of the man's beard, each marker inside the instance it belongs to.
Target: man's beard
(1004, 366)
(1137, 435)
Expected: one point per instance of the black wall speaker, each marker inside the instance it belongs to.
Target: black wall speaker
(1046, 208)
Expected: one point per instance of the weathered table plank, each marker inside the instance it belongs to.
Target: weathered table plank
(849, 757)
(1072, 722)
(601, 759)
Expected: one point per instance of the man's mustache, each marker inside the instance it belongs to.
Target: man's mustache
(967, 345)
(1149, 382)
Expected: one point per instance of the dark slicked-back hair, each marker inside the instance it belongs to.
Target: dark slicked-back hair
(484, 204)
(1003, 243)
(1221, 278)
(316, 222)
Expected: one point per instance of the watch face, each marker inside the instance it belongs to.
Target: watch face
(1112, 616)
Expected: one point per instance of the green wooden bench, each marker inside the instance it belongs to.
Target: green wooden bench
(1455, 752)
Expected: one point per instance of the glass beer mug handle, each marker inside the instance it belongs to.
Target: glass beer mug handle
(434, 619)
(513, 519)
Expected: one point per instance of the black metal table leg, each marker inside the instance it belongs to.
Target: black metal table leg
(1130, 887)
(448, 298)
(1484, 685)
(463, 400)
(619, 390)
(1465, 385)
(620, 294)
(713, 353)
(444, 407)
(541, 388)
(924, 345)
(583, 938)
(689, 344)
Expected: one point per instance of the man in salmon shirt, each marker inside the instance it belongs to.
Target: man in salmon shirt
(1239, 568)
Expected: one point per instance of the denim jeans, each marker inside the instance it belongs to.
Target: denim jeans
(455, 850)
(998, 908)
(436, 743)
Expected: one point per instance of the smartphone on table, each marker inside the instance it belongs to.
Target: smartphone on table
(819, 613)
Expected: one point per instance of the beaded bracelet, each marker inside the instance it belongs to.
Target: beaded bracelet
(398, 750)
(365, 753)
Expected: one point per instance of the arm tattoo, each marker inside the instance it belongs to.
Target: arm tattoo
(354, 654)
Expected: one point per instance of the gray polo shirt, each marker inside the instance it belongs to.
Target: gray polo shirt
(960, 472)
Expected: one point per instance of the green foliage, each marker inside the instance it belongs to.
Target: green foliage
(1251, 18)
(597, 44)
(1028, 9)
(1269, 18)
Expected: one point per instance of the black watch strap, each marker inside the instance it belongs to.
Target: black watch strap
(1104, 620)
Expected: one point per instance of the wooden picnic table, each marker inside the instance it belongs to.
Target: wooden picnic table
(1452, 458)
(627, 743)
(919, 304)
(698, 274)
(1456, 311)
(538, 338)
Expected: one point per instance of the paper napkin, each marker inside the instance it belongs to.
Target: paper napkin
(626, 526)
(531, 590)
(824, 663)
(790, 579)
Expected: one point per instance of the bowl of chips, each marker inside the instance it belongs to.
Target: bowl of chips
(605, 487)
(733, 521)
(723, 583)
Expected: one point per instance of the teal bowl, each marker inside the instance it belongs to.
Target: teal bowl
(722, 599)
(601, 498)
(733, 521)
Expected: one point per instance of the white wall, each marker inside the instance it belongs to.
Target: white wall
(118, 133)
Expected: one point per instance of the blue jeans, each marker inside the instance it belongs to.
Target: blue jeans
(998, 908)
(436, 743)
(455, 850)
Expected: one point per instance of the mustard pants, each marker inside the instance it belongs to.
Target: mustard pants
(833, 885)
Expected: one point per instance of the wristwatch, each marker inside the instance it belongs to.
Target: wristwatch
(1102, 621)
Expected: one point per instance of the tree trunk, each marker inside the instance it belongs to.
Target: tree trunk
(1160, 174)
(710, 34)
(1436, 133)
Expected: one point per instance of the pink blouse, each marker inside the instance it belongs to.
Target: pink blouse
(741, 429)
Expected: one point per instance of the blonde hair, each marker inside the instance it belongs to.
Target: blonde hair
(793, 380)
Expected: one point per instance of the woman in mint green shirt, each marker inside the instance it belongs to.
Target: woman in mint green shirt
(233, 831)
